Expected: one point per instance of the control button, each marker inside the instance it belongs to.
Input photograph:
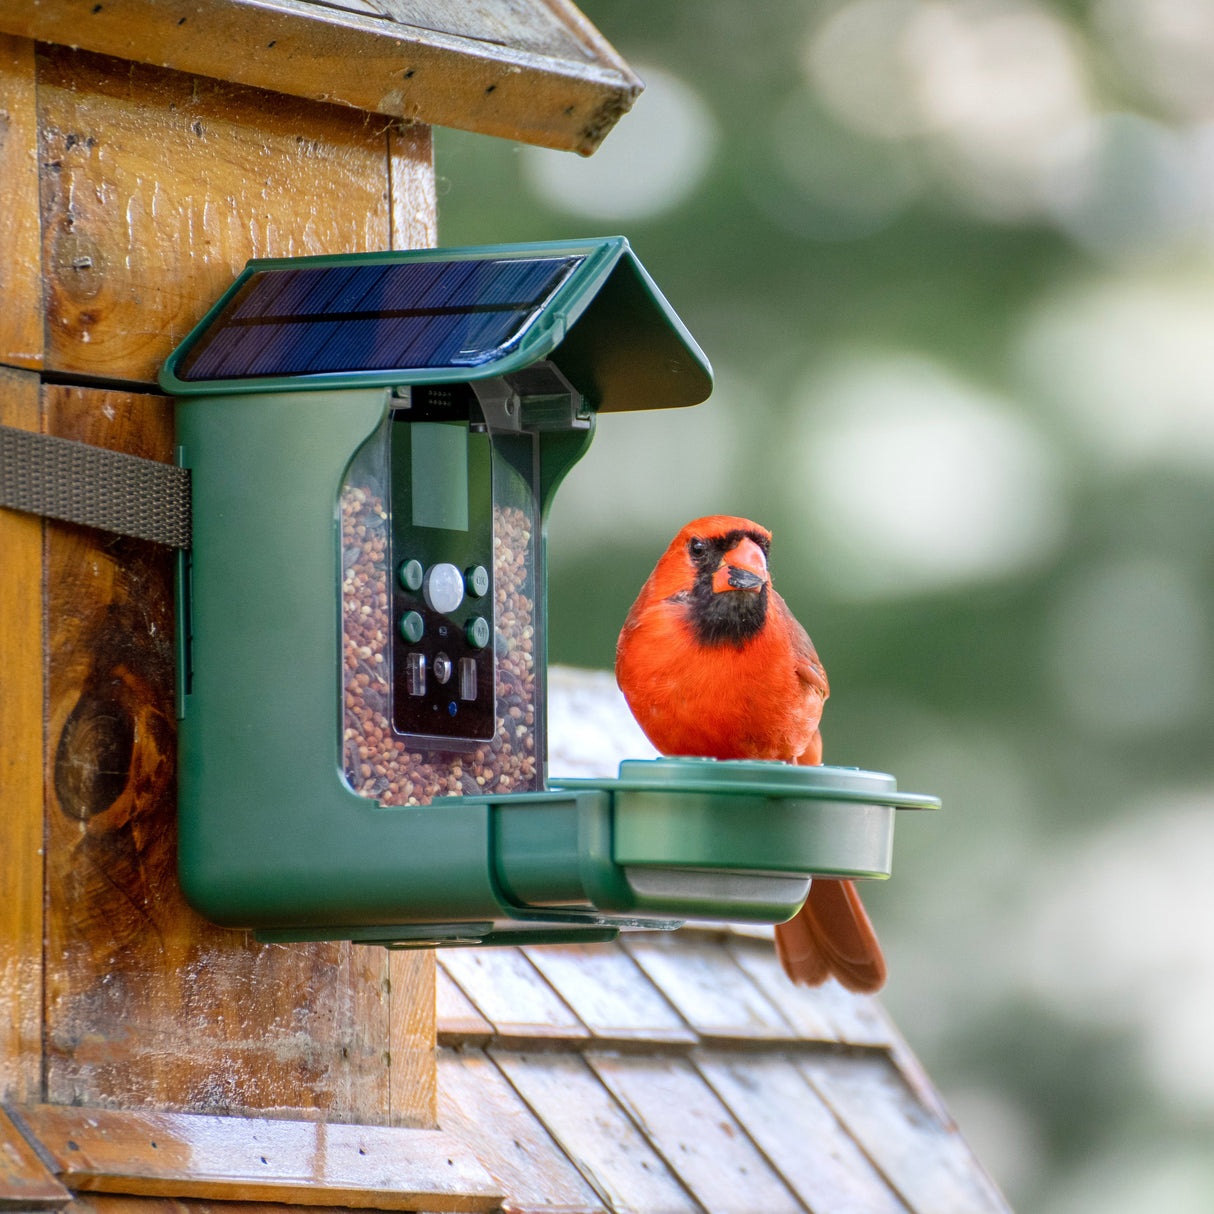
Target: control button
(467, 678)
(412, 626)
(415, 674)
(443, 666)
(410, 574)
(477, 580)
(443, 588)
(477, 632)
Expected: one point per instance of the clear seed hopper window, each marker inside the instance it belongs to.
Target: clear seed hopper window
(440, 619)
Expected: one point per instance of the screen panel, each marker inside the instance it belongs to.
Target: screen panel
(376, 317)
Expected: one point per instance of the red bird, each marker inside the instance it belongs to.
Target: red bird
(712, 663)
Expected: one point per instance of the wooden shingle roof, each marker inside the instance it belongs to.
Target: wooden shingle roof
(683, 1072)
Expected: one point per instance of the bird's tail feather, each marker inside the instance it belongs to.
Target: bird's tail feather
(832, 935)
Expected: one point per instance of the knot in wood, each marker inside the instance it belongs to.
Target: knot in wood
(93, 759)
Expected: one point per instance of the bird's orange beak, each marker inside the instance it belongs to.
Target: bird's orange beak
(744, 567)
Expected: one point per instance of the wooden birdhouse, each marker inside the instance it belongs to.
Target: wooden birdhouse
(149, 150)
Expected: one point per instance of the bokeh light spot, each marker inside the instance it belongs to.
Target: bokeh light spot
(1136, 188)
(992, 89)
(1129, 363)
(1115, 938)
(856, 58)
(655, 159)
(916, 480)
(1165, 45)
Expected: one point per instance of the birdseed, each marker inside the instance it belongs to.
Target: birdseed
(379, 762)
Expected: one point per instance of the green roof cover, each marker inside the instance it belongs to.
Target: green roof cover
(443, 315)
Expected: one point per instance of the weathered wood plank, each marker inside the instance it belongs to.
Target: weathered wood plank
(412, 1084)
(611, 995)
(457, 1021)
(241, 1159)
(803, 1007)
(916, 1077)
(566, 95)
(695, 1134)
(856, 1019)
(353, 6)
(20, 243)
(25, 1181)
(922, 1157)
(414, 194)
(594, 1131)
(698, 975)
(109, 1203)
(543, 29)
(21, 865)
(800, 1136)
(477, 1104)
(512, 995)
(158, 187)
(146, 1004)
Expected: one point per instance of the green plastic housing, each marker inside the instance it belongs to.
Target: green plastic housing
(276, 830)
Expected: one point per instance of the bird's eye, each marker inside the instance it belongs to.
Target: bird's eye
(697, 548)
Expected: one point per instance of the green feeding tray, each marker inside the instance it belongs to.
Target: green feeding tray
(686, 836)
(374, 443)
(670, 840)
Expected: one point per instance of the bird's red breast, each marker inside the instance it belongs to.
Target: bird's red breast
(713, 663)
(711, 660)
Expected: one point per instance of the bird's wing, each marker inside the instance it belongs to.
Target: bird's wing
(805, 656)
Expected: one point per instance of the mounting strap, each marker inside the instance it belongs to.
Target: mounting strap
(80, 483)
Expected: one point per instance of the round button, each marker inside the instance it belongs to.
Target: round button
(411, 627)
(410, 574)
(443, 588)
(477, 632)
(477, 580)
(442, 667)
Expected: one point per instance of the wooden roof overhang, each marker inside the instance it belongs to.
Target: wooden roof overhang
(531, 70)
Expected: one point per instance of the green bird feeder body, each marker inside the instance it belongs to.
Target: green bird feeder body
(374, 443)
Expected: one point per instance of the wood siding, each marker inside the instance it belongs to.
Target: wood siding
(132, 196)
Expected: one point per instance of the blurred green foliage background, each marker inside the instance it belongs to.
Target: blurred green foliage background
(953, 263)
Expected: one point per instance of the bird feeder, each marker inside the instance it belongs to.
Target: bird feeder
(374, 442)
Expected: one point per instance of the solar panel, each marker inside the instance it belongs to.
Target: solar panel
(384, 316)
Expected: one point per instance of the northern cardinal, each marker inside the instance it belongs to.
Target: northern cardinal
(712, 663)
